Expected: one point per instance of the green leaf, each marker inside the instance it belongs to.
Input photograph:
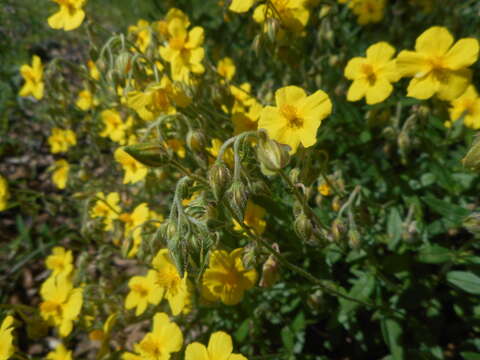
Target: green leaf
(452, 212)
(298, 323)
(361, 290)
(288, 338)
(242, 331)
(394, 227)
(468, 355)
(434, 254)
(465, 281)
(392, 334)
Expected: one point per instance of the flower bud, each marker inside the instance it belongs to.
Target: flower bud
(272, 155)
(270, 272)
(123, 63)
(238, 195)
(354, 239)
(272, 27)
(294, 175)
(472, 223)
(303, 227)
(472, 159)
(149, 154)
(196, 140)
(338, 230)
(219, 178)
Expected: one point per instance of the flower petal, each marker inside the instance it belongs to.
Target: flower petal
(353, 69)
(464, 53)
(423, 88)
(357, 90)
(410, 63)
(380, 52)
(196, 351)
(378, 92)
(455, 84)
(289, 95)
(220, 346)
(434, 41)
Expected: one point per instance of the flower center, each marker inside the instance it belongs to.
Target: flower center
(160, 100)
(290, 113)
(438, 69)
(369, 73)
(177, 43)
(168, 278)
(51, 307)
(140, 289)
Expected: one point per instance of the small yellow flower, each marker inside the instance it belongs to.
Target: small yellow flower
(6, 338)
(133, 223)
(292, 14)
(143, 291)
(226, 278)
(165, 338)
(142, 33)
(61, 140)
(372, 75)
(254, 218)
(93, 70)
(243, 97)
(33, 76)
(60, 262)
(468, 107)
(296, 118)
(241, 6)
(107, 208)
(226, 68)
(70, 15)
(60, 173)
(246, 120)
(438, 66)
(86, 100)
(162, 26)
(168, 278)
(4, 193)
(134, 170)
(115, 128)
(61, 303)
(60, 353)
(220, 347)
(368, 11)
(184, 51)
(324, 189)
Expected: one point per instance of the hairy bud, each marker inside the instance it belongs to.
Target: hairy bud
(196, 140)
(238, 194)
(149, 154)
(272, 155)
(303, 227)
(219, 179)
(472, 159)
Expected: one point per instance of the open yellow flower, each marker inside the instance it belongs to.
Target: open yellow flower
(61, 140)
(184, 51)
(60, 261)
(168, 278)
(368, 11)
(292, 14)
(438, 66)
(296, 118)
(165, 338)
(143, 291)
(60, 173)
(60, 353)
(93, 70)
(133, 223)
(161, 26)
(254, 218)
(220, 347)
(115, 128)
(6, 338)
(226, 278)
(107, 208)
(372, 75)
(226, 68)
(142, 33)
(467, 106)
(135, 171)
(4, 193)
(69, 16)
(61, 303)
(86, 100)
(33, 76)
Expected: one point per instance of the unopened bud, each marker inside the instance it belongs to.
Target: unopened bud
(238, 195)
(196, 140)
(149, 154)
(219, 179)
(303, 227)
(270, 272)
(472, 223)
(472, 159)
(272, 155)
(271, 28)
(123, 63)
(338, 230)
(354, 239)
(294, 175)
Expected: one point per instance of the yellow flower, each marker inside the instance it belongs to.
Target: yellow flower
(296, 117)
(324, 189)
(226, 68)
(177, 146)
(246, 120)
(61, 140)
(143, 291)
(220, 347)
(61, 303)
(241, 6)
(85, 100)
(165, 338)
(133, 223)
(4, 193)
(69, 16)
(60, 173)
(184, 51)
(226, 278)
(168, 278)
(102, 336)
(33, 76)
(292, 14)
(254, 218)
(60, 262)
(106, 207)
(143, 34)
(468, 107)
(242, 96)
(368, 11)
(6, 338)
(372, 75)
(115, 128)
(438, 66)
(93, 70)
(228, 155)
(134, 171)
(162, 26)
(60, 353)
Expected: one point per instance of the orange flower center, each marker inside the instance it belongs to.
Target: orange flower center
(51, 307)
(140, 289)
(177, 43)
(290, 113)
(438, 68)
(168, 278)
